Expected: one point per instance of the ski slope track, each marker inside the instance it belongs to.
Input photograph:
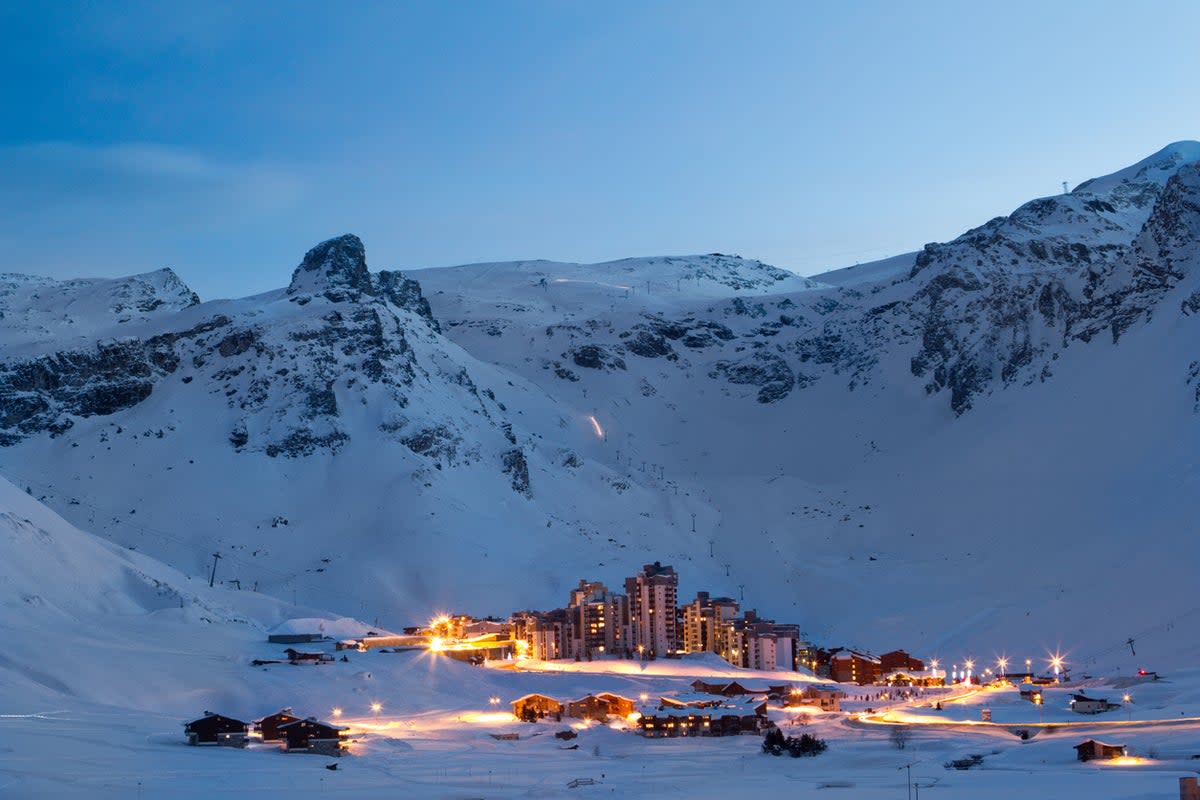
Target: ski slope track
(987, 446)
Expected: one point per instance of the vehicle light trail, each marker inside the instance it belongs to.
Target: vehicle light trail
(596, 426)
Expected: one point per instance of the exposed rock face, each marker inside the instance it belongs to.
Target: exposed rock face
(340, 340)
(767, 371)
(591, 356)
(336, 268)
(993, 308)
(516, 467)
(46, 393)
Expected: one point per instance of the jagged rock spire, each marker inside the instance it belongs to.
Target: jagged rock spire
(336, 268)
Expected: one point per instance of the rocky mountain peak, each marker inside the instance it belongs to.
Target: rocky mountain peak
(336, 268)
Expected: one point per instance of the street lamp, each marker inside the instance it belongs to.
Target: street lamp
(376, 707)
(1056, 663)
(1128, 708)
(337, 712)
(1002, 664)
(494, 700)
(968, 666)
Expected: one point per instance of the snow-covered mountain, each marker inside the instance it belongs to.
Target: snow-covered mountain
(974, 447)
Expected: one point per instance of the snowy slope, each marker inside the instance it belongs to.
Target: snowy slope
(35, 309)
(86, 620)
(959, 451)
(100, 666)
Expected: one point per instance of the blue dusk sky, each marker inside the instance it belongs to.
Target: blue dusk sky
(225, 139)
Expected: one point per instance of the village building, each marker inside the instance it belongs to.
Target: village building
(313, 736)
(704, 621)
(750, 704)
(691, 700)
(820, 662)
(488, 626)
(537, 706)
(589, 707)
(820, 695)
(704, 715)
(216, 729)
(618, 706)
(374, 641)
(851, 666)
(653, 620)
(268, 726)
(1032, 693)
(597, 620)
(294, 638)
(1094, 750)
(544, 633)
(730, 689)
(1082, 704)
(674, 722)
(299, 657)
(898, 660)
(925, 677)
(756, 643)
(600, 707)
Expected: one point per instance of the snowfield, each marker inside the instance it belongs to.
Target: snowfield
(984, 449)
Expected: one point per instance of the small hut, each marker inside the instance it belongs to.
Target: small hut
(313, 736)
(1082, 704)
(216, 729)
(1094, 750)
(269, 726)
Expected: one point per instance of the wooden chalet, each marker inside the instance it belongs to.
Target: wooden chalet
(589, 707)
(313, 736)
(216, 729)
(1082, 704)
(618, 706)
(269, 725)
(1092, 750)
(537, 705)
(600, 707)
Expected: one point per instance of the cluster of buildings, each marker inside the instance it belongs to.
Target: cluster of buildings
(710, 709)
(294, 734)
(648, 621)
